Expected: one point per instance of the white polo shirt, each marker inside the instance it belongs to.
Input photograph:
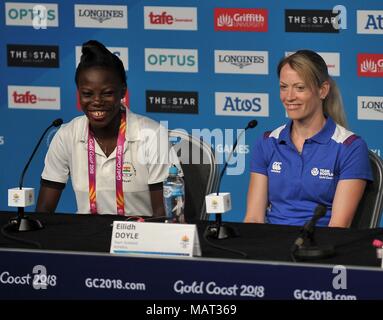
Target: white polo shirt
(146, 161)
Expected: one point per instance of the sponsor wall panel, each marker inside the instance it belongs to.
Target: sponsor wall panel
(197, 65)
(170, 18)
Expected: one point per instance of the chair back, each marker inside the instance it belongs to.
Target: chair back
(200, 172)
(369, 211)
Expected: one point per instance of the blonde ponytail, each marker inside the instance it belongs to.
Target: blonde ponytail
(333, 104)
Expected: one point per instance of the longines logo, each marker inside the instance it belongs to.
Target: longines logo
(101, 16)
(172, 101)
(325, 21)
(370, 108)
(22, 55)
(248, 62)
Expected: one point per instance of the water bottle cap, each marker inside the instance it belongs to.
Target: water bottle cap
(173, 170)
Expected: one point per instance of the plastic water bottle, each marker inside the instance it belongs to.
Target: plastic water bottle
(174, 196)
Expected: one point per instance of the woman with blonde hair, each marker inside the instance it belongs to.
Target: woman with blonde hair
(311, 160)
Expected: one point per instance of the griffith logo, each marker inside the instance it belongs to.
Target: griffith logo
(370, 65)
(238, 19)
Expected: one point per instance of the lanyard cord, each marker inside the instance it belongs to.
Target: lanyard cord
(119, 161)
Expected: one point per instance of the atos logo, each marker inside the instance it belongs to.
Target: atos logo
(276, 167)
(237, 104)
(242, 104)
(369, 22)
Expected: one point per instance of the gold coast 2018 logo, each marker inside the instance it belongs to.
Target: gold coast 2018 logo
(128, 171)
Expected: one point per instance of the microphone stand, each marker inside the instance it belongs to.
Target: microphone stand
(305, 248)
(22, 222)
(218, 230)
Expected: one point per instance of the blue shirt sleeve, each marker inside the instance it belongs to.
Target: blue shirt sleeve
(354, 162)
(259, 161)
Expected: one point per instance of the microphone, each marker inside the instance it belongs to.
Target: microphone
(23, 197)
(304, 251)
(252, 124)
(308, 228)
(219, 203)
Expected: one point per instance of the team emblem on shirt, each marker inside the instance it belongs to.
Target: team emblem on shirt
(128, 171)
(276, 167)
(314, 171)
(323, 173)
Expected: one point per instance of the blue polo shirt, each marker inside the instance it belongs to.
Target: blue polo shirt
(299, 182)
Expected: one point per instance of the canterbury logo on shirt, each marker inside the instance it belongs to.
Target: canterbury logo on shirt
(322, 173)
(276, 167)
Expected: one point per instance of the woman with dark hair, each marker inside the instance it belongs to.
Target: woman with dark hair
(117, 160)
(311, 160)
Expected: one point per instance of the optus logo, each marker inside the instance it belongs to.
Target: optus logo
(30, 14)
(171, 60)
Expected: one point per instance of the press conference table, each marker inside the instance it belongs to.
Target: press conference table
(74, 258)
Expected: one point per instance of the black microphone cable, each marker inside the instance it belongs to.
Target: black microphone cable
(17, 239)
(235, 251)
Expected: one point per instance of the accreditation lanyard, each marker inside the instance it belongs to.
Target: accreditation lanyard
(92, 168)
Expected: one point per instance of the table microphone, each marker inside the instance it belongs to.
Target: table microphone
(22, 197)
(252, 124)
(304, 247)
(219, 203)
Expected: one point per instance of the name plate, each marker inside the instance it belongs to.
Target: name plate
(169, 239)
